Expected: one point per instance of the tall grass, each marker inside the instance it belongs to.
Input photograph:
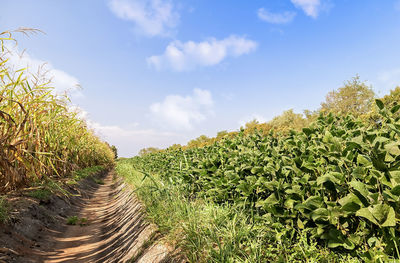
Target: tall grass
(39, 136)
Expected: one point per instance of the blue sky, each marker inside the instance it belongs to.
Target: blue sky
(158, 72)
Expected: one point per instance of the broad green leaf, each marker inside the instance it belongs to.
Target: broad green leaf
(320, 214)
(313, 202)
(395, 109)
(390, 218)
(300, 224)
(395, 175)
(360, 188)
(257, 169)
(380, 104)
(393, 148)
(396, 190)
(381, 215)
(272, 200)
(350, 203)
(333, 177)
(364, 160)
(366, 213)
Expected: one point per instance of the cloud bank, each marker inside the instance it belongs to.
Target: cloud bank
(150, 17)
(187, 56)
(179, 112)
(276, 18)
(310, 7)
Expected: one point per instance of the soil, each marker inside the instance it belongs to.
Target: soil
(111, 227)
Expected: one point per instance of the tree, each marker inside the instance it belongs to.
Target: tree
(200, 141)
(354, 97)
(114, 149)
(393, 98)
(148, 150)
(288, 120)
(221, 135)
(174, 147)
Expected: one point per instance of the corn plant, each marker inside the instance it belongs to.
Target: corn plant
(39, 136)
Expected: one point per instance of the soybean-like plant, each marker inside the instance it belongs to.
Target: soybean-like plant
(337, 180)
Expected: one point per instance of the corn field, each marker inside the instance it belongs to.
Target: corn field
(39, 136)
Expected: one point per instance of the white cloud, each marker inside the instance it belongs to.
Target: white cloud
(151, 17)
(276, 18)
(180, 112)
(186, 56)
(129, 140)
(60, 80)
(252, 117)
(310, 7)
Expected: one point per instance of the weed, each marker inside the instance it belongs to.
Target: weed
(71, 182)
(72, 220)
(98, 181)
(83, 221)
(41, 194)
(3, 210)
(87, 172)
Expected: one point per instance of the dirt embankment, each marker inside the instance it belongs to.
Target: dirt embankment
(110, 227)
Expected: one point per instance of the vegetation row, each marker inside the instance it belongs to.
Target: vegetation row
(40, 136)
(337, 179)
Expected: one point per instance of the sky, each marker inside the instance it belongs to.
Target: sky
(159, 72)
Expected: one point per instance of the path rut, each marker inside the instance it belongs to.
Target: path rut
(115, 231)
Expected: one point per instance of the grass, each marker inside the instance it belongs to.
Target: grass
(50, 186)
(3, 210)
(74, 220)
(86, 173)
(41, 194)
(98, 181)
(208, 232)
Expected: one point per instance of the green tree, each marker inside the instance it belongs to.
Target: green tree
(288, 120)
(393, 98)
(200, 141)
(148, 150)
(115, 151)
(221, 135)
(355, 97)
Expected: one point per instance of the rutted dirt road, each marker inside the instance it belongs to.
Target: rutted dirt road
(115, 231)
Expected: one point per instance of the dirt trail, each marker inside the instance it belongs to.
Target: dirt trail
(115, 231)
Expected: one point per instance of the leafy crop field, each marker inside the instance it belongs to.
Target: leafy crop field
(39, 136)
(335, 184)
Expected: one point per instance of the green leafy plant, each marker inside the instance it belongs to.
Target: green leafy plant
(83, 221)
(72, 220)
(338, 180)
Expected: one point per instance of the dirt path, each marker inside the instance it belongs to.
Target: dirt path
(115, 230)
